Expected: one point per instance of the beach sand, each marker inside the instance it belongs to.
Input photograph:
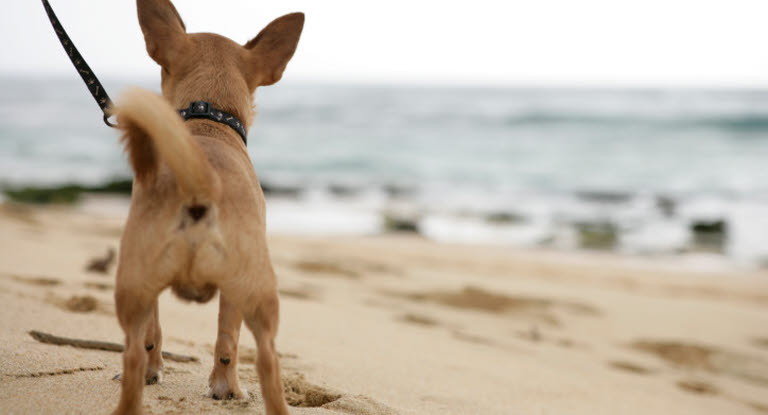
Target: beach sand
(397, 325)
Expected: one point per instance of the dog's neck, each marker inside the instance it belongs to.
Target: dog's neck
(209, 128)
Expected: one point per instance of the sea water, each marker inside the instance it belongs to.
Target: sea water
(639, 170)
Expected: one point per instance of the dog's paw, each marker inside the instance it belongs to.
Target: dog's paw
(154, 377)
(220, 390)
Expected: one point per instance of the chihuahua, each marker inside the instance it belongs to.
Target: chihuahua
(197, 215)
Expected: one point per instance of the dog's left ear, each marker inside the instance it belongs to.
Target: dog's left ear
(270, 51)
(164, 31)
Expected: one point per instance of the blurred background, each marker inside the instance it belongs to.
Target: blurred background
(632, 127)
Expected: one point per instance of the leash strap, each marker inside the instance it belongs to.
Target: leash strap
(203, 109)
(90, 79)
(197, 109)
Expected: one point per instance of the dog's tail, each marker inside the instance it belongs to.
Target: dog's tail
(154, 132)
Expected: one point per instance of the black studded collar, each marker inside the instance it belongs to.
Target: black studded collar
(203, 109)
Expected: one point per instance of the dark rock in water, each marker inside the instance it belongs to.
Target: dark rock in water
(397, 192)
(115, 186)
(718, 226)
(343, 191)
(709, 235)
(281, 191)
(604, 197)
(394, 223)
(66, 193)
(504, 218)
(667, 205)
(597, 235)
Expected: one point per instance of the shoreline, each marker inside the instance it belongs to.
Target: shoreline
(338, 214)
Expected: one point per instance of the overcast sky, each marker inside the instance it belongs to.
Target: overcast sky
(533, 42)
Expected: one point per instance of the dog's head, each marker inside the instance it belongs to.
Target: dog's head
(210, 67)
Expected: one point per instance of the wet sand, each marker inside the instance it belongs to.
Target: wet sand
(397, 325)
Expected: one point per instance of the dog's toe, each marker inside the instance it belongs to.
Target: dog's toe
(153, 377)
(118, 377)
(228, 394)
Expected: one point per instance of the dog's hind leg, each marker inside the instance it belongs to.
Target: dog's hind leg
(223, 380)
(134, 311)
(153, 344)
(263, 323)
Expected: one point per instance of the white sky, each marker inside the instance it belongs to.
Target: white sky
(533, 42)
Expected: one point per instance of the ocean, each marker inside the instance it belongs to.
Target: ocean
(635, 171)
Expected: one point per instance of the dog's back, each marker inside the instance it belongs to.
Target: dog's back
(192, 194)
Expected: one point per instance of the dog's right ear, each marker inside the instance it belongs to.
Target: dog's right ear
(273, 47)
(164, 31)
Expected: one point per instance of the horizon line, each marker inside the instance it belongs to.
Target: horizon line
(421, 83)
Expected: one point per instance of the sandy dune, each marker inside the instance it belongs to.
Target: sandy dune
(397, 325)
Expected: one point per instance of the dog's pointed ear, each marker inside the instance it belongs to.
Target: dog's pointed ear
(164, 31)
(270, 51)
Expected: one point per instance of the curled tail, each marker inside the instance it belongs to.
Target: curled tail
(154, 132)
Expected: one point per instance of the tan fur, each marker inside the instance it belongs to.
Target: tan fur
(198, 166)
(151, 125)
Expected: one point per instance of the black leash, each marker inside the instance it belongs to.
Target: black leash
(90, 79)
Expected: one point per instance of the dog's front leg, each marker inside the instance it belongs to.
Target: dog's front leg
(223, 380)
(263, 323)
(134, 314)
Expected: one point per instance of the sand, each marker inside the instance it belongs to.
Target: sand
(397, 325)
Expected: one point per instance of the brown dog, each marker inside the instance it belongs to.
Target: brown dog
(196, 222)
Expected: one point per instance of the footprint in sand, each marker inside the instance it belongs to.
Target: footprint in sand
(692, 357)
(303, 293)
(706, 358)
(698, 387)
(535, 335)
(300, 393)
(418, 319)
(101, 286)
(629, 367)
(759, 407)
(479, 299)
(326, 268)
(42, 281)
(760, 342)
(79, 304)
